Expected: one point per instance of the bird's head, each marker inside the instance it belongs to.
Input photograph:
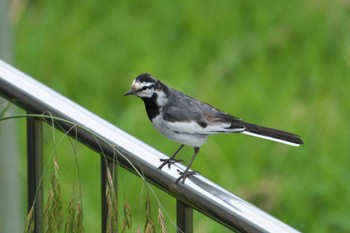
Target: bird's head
(144, 86)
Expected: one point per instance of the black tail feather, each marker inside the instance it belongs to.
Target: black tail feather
(273, 133)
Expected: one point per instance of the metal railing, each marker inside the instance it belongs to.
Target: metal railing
(197, 193)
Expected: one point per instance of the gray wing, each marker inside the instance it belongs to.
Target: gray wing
(188, 115)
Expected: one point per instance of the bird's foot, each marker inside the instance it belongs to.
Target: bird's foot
(184, 175)
(168, 162)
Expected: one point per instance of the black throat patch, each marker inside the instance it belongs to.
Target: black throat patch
(151, 106)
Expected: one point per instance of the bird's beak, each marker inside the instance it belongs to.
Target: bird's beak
(130, 92)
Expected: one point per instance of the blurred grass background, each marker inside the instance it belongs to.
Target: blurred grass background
(283, 64)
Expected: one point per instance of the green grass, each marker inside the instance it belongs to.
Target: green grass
(283, 64)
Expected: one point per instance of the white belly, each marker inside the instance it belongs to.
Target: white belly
(194, 140)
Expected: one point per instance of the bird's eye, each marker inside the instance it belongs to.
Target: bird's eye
(147, 87)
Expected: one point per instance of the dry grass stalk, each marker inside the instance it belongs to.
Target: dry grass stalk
(29, 225)
(161, 221)
(71, 223)
(149, 224)
(53, 214)
(112, 216)
(127, 221)
(79, 222)
(74, 223)
(150, 228)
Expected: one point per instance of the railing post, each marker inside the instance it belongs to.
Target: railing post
(184, 217)
(34, 166)
(105, 163)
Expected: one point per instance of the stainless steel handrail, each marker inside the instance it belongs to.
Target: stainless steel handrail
(198, 192)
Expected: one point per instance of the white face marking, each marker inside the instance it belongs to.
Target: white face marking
(162, 98)
(137, 87)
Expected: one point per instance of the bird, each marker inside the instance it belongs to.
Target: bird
(189, 122)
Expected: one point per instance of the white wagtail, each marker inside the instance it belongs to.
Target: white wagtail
(188, 121)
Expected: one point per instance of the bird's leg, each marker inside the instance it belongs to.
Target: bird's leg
(187, 173)
(171, 160)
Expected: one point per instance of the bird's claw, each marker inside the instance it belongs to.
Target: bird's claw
(184, 175)
(169, 162)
